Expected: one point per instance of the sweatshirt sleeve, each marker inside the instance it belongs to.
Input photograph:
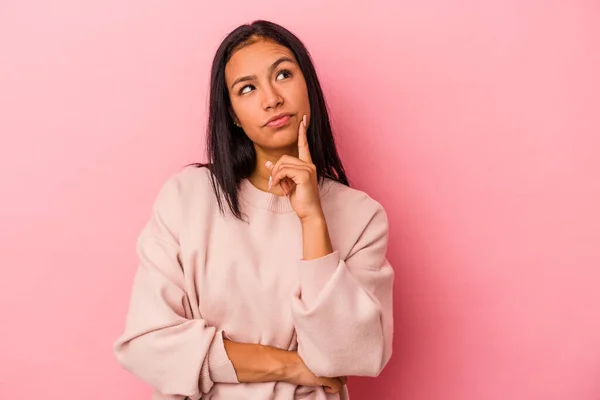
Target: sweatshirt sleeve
(343, 309)
(161, 345)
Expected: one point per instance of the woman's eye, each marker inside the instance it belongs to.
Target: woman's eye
(245, 89)
(284, 73)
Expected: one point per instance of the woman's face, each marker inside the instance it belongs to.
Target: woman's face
(264, 80)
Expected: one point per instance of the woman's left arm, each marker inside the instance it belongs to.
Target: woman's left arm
(343, 310)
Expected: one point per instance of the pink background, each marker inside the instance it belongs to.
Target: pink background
(476, 125)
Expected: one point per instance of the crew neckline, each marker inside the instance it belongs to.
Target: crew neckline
(270, 201)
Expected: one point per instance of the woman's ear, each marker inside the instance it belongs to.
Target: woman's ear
(236, 121)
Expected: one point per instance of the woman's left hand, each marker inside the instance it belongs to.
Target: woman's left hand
(298, 179)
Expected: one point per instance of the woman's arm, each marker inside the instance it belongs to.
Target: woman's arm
(161, 344)
(256, 363)
(343, 311)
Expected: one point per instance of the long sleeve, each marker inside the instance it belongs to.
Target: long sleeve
(161, 345)
(343, 309)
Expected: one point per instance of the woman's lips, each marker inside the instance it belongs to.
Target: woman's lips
(276, 123)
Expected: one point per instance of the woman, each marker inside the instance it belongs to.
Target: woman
(262, 274)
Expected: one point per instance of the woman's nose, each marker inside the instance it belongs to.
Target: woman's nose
(272, 98)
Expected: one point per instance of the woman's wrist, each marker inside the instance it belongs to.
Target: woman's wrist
(289, 361)
(256, 363)
(318, 217)
(316, 242)
(280, 362)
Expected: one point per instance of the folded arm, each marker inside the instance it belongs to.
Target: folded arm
(343, 309)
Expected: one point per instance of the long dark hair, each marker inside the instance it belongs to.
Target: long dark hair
(231, 154)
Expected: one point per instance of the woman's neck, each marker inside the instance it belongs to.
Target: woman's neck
(260, 175)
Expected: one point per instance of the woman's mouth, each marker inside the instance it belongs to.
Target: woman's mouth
(279, 122)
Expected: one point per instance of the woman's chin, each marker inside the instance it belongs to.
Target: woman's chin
(284, 139)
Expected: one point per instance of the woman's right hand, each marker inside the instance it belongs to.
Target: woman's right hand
(297, 373)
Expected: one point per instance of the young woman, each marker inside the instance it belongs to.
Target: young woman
(262, 274)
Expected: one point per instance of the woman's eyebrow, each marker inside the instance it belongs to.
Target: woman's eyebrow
(273, 66)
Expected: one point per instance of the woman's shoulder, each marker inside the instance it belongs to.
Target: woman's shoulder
(342, 197)
(191, 181)
(192, 176)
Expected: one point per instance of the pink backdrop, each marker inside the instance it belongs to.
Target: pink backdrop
(476, 125)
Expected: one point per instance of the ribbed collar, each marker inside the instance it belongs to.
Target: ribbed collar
(270, 201)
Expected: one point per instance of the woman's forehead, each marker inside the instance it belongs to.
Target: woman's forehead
(256, 57)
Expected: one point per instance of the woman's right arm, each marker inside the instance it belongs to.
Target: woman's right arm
(161, 345)
(259, 363)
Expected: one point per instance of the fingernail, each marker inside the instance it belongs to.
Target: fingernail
(270, 182)
(268, 164)
(304, 121)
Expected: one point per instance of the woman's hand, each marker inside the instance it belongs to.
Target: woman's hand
(298, 178)
(297, 373)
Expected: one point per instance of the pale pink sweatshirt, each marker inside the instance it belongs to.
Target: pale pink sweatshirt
(203, 277)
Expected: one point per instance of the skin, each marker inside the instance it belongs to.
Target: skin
(264, 80)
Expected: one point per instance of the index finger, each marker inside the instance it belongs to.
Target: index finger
(303, 149)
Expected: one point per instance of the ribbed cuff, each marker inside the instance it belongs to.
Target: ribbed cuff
(220, 369)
